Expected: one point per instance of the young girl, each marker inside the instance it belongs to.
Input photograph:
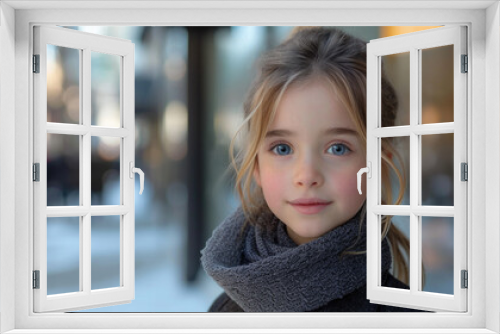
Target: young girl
(298, 241)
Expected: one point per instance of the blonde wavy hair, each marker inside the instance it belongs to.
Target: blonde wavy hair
(328, 53)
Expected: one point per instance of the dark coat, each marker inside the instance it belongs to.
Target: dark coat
(354, 302)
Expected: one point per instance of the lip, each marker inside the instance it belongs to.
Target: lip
(310, 201)
(310, 205)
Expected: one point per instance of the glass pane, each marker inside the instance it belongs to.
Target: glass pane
(106, 170)
(437, 169)
(437, 254)
(105, 89)
(400, 268)
(105, 252)
(63, 255)
(63, 170)
(395, 173)
(395, 98)
(63, 82)
(437, 84)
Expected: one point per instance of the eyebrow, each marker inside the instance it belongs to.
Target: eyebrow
(329, 131)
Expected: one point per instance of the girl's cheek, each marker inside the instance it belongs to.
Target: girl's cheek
(346, 183)
(272, 185)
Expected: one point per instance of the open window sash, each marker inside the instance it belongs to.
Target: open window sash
(414, 43)
(83, 44)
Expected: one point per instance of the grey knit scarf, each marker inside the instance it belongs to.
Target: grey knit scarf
(263, 270)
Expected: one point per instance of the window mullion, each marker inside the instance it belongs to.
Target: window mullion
(85, 161)
(123, 177)
(415, 168)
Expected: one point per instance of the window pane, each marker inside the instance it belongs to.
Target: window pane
(105, 252)
(63, 82)
(63, 170)
(105, 89)
(63, 255)
(395, 102)
(437, 169)
(437, 84)
(400, 269)
(395, 185)
(106, 170)
(437, 254)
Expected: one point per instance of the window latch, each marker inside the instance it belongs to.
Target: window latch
(368, 171)
(133, 170)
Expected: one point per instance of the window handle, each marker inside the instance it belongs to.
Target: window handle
(368, 171)
(133, 170)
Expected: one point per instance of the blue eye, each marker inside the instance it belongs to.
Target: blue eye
(282, 149)
(338, 149)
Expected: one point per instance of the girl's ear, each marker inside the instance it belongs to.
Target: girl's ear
(256, 174)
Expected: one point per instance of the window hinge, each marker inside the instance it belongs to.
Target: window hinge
(36, 279)
(465, 63)
(36, 172)
(465, 279)
(465, 171)
(36, 63)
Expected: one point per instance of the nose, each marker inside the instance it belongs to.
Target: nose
(308, 173)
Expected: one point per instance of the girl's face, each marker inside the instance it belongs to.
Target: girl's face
(308, 162)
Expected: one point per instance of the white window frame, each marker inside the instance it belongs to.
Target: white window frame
(123, 51)
(16, 21)
(414, 44)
